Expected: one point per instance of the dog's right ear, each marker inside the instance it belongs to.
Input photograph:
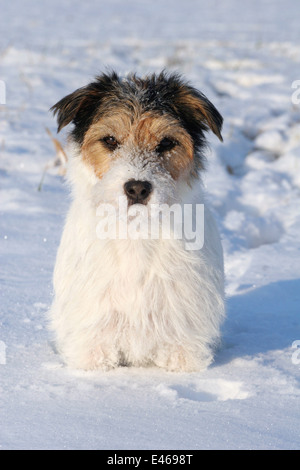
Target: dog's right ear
(68, 107)
(81, 106)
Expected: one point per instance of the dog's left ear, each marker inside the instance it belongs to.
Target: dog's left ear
(198, 112)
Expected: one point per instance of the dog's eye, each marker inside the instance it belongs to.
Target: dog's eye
(165, 145)
(110, 142)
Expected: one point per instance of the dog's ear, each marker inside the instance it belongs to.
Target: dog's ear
(197, 112)
(204, 112)
(81, 106)
(71, 106)
(67, 108)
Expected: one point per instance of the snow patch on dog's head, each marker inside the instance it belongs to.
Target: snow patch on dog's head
(134, 166)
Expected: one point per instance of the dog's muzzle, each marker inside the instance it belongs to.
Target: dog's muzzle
(137, 192)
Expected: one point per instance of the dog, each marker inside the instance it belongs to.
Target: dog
(133, 300)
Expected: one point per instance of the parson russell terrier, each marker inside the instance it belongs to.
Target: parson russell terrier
(122, 297)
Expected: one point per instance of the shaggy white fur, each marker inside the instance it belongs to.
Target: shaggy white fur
(134, 301)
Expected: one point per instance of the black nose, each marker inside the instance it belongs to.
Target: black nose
(137, 191)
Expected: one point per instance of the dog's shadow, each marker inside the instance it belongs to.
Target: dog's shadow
(260, 320)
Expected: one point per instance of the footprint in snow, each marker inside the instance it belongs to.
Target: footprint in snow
(205, 391)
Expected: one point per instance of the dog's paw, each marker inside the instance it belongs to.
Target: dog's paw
(104, 361)
(97, 359)
(178, 359)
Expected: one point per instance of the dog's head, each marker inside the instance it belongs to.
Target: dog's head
(140, 136)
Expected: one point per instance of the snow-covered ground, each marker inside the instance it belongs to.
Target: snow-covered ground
(244, 56)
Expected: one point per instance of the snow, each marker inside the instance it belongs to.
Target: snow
(244, 57)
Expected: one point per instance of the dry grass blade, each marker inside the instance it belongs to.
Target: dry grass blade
(59, 161)
(61, 154)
